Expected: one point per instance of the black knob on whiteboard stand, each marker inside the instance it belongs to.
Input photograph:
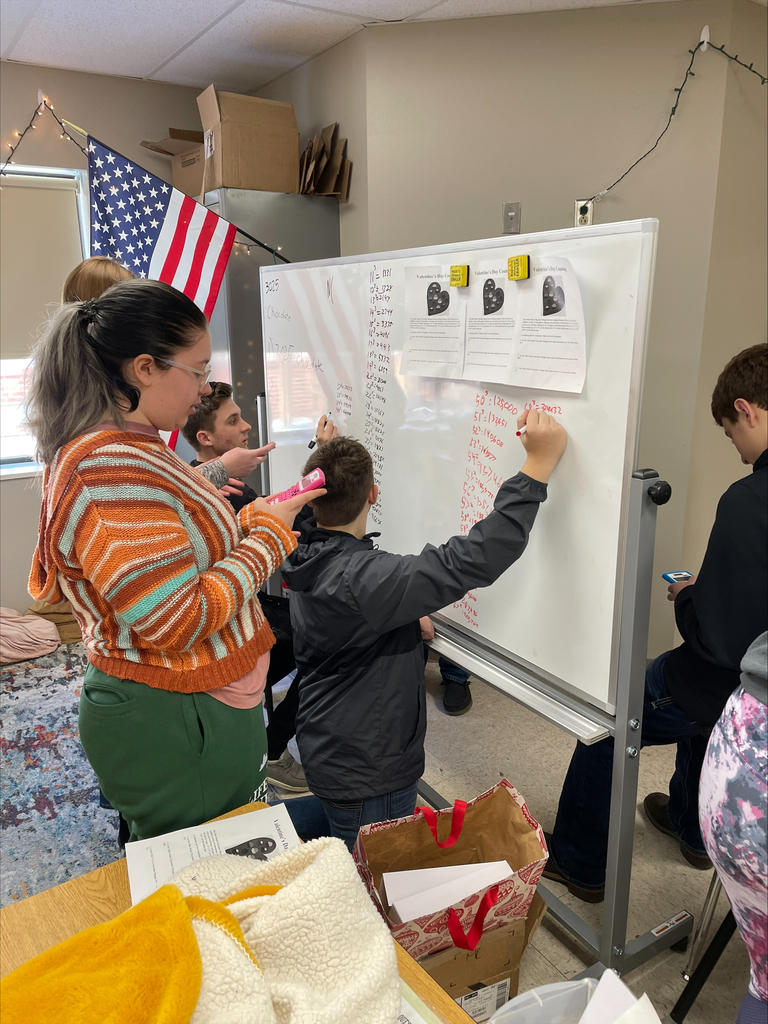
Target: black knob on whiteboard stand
(660, 492)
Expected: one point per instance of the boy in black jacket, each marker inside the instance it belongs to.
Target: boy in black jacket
(718, 614)
(355, 613)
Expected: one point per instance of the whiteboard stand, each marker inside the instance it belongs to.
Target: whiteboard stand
(609, 945)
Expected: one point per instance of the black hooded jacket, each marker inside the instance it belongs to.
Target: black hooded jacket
(355, 615)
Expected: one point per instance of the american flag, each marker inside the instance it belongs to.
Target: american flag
(153, 229)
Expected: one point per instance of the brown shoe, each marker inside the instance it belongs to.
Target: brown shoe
(656, 807)
(552, 872)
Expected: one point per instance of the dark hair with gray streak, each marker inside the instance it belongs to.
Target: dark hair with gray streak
(77, 375)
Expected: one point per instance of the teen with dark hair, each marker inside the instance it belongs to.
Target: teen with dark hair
(718, 613)
(356, 611)
(161, 574)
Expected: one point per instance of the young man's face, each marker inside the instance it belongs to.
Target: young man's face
(229, 429)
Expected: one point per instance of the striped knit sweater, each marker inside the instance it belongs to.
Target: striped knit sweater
(161, 573)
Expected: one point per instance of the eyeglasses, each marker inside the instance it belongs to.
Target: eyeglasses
(205, 374)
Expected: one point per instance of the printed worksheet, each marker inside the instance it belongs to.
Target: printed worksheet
(491, 323)
(435, 323)
(551, 343)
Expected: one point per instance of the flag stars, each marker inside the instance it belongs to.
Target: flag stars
(153, 223)
(134, 231)
(96, 245)
(128, 168)
(106, 176)
(130, 248)
(102, 196)
(121, 205)
(146, 179)
(91, 148)
(141, 197)
(142, 274)
(118, 254)
(118, 173)
(153, 193)
(137, 262)
(99, 162)
(113, 190)
(122, 236)
(144, 257)
(108, 209)
(164, 189)
(124, 186)
(110, 158)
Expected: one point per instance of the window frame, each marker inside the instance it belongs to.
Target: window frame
(13, 465)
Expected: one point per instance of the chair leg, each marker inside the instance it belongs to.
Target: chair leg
(711, 955)
(704, 923)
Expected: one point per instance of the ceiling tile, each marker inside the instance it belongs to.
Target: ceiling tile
(378, 10)
(117, 37)
(13, 15)
(257, 42)
(489, 8)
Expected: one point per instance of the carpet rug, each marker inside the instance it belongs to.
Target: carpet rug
(51, 825)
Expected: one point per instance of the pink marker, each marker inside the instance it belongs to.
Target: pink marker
(311, 482)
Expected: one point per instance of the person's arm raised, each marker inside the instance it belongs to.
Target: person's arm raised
(240, 462)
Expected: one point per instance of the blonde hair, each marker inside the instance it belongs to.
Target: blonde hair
(92, 277)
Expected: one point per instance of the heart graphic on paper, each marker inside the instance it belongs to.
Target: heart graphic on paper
(437, 299)
(493, 297)
(553, 297)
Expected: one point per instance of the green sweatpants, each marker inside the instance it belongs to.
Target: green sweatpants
(169, 760)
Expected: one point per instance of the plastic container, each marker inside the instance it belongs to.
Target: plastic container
(561, 1003)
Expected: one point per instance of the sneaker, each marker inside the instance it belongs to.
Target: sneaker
(457, 700)
(287, 773)
(656, 807)
(552, 872)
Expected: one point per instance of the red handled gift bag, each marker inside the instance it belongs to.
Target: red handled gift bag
(495, 826)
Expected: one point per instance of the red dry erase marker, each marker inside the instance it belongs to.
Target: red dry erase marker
(521, 431)
(311, 482)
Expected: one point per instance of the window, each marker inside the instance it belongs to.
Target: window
(43, 235)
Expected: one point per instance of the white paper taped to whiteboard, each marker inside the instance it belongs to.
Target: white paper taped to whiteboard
(334, 334)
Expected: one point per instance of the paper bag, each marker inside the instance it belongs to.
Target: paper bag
(494, 826)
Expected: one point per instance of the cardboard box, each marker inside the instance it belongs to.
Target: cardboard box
(186, 151)
(483, 980)
(249, 142)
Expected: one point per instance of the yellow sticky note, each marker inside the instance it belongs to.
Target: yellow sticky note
(517, 268)
(459, 277)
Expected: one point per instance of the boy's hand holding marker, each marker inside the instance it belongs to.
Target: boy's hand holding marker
(544, 440)
(326, 431)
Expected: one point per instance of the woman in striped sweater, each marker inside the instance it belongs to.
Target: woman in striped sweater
(161, 573)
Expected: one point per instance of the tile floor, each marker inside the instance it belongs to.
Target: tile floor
(498, 738)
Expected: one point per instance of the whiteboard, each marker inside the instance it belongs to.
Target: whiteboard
(333, 340)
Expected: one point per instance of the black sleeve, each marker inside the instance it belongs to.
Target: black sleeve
(725, 609)
(392, 590)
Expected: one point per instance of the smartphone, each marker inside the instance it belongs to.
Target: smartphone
(676, 577)
(311, 482)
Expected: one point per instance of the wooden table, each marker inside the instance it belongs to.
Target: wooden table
(32, 925)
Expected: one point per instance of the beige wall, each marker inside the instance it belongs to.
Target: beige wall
(332, 87)
(735, 314)
(19, 516)
(547, 108)
(119, 111)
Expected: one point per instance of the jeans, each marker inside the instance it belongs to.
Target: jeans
(579, 844)
(347, 818)
(308, 817)
(452, 673)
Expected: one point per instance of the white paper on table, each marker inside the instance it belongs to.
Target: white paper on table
(399, 885)
(435, 324)
(610, 1000)
(551, 346)
(641, 1013)
(491, 323)
(262, 835)
(431, 898)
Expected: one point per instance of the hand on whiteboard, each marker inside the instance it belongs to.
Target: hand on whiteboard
(232, 486)
(674, 588)
(326, 430)
(241, 462)
(544, 441)
(287, 511)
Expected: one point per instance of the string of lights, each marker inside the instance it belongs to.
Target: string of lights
(689, 73)
(39, 110)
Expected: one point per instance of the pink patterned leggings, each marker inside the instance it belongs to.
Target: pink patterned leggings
(733, 814)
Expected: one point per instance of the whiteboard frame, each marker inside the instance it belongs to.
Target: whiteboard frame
(648, 227)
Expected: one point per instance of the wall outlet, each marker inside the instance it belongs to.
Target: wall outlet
(582, 213)
(510, 218)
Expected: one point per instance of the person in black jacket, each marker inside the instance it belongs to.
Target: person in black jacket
(219, 434)
(718, 613)
(357, 637)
